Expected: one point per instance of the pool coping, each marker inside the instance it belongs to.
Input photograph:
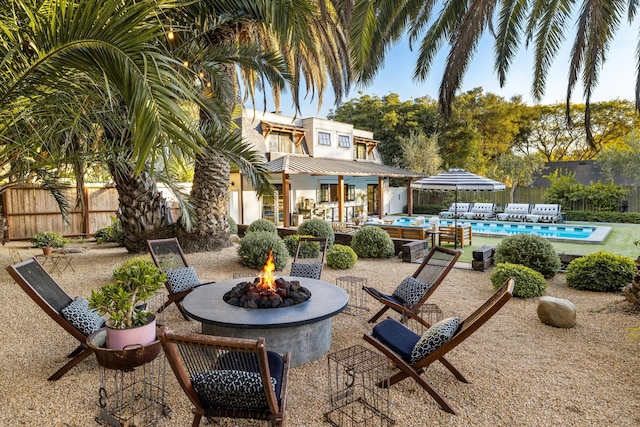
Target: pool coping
(598, 236)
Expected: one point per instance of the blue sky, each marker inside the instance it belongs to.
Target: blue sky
(617, 78)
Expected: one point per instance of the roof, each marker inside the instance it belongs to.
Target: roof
(322, 166)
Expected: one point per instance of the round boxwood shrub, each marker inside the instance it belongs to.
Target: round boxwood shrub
(372, 242)
(318, 227)
(341, 257)
(233, 227)
(254, 250)
(528, 282)
(308, 250)
(262, 225)
(530, 250)
(601, 271)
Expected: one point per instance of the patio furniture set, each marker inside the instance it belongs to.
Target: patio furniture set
(239, 378)
(512, 212)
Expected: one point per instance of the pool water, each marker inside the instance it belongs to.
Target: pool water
(560, 232)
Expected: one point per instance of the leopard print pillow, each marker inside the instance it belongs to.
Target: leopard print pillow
(435, 337)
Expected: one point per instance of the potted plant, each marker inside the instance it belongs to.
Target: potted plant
(48, 240)
(124, 300)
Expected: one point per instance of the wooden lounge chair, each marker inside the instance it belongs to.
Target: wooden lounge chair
(481, 211)
(413, 355)
(515, 212)
(410, 295)
(228, 377)
(309, 257)
(460, 235)
(45, 291)
(545, 213)
(456, 210)
(181, 279)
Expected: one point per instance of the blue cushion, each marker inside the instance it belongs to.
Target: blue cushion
(381, 295)
(83, 318)
(397, 337)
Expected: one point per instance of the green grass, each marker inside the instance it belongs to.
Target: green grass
(619, 241)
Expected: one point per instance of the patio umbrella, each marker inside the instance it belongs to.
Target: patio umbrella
(457, 180)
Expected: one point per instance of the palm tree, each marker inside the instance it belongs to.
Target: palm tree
(460, 24)
(309, 37)
(107, 52)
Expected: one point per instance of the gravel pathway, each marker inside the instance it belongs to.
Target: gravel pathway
(521, 372)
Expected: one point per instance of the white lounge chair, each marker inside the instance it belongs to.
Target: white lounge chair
(545, 213)
(515, 212)
(456, 210)
(481, 211)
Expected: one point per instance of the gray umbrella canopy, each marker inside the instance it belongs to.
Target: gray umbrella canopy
(457, 180)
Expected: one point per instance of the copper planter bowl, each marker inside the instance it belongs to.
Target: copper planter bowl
(126, 359)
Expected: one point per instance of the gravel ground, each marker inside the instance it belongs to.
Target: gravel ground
(521, 372)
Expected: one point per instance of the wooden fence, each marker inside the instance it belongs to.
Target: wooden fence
(30, 210)
(531, 195)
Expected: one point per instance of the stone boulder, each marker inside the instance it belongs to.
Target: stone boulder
(557, 312)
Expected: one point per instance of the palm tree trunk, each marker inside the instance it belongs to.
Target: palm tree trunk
(210, 198)
(143, 211)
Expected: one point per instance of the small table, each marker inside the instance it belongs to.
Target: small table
(433, 234)
(57, 262)
(303, 329)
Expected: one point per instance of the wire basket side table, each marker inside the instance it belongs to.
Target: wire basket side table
(353, 286)
(359, 388)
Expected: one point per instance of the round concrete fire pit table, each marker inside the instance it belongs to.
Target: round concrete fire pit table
(303, 329)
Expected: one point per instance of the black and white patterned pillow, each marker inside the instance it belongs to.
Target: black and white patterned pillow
(411, 290)
(435, 337)
(311, 271)
(83, 318)
(182, 279)
(231, 389)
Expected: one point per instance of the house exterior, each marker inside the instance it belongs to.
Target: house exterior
(320, 168)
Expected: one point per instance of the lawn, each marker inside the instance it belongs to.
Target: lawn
(619, 241)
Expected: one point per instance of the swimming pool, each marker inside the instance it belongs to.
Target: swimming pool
(558, 232)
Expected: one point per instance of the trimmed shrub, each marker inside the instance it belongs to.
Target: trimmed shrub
(111, 233)
(372, 242)
(254, 250)
(530, 250)
(317, 227)
(262, 225)
(233, 227)
(308, 250)
(341, 257)
(601, 272)
(528, 282)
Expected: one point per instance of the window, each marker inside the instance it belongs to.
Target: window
(324, 138)
(344, 141)
(281, 142)
(360, 151)
(329, 192)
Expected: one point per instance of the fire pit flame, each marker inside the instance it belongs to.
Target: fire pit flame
(267, 283)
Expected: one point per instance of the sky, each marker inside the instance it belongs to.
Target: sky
(617, 77)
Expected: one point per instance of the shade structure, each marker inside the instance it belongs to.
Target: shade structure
(457, 180)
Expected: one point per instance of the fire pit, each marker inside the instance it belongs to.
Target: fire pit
(303, 329)
(266, 291)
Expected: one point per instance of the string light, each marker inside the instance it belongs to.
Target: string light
(170, 35)
(208, 84)
(201, 74)
(185, 63)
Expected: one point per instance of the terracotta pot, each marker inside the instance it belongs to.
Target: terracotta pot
(117, 339)
(46, 250)
(125, 359)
